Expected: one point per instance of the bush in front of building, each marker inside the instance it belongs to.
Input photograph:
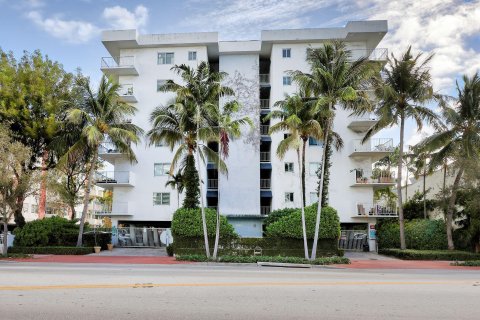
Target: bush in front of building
(187, 223)
(420, 234)
(449, 255)
(276, 215)
(51, 250)
(276, 259)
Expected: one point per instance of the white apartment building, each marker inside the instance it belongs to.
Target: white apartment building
(258, 181)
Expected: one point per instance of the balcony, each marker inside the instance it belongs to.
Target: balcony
(115, 209)
(212, 184)
(126, 93)
(110, 179)
(375, 210)
(374, 148)
(265, 210)
(265, 184)
(119, 66)
(376, 54)
(108, 152)
(264, 79)
(376, 178)
(264, 156)
(264, 104)
(264, 129)
(361, 124)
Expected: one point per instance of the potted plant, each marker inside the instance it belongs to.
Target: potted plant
(97, 248)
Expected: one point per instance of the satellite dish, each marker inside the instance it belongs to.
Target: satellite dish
(166, 237)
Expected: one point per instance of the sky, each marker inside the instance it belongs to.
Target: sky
(69, 30)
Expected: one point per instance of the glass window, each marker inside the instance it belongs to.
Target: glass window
(161, 169)
(165, 58)
(288, 166)
(314, 142)
(34, 208)
(192, 55)
(313, 197)
(161, 198)
(288, 196)
(313, 168)
(287, 80)
(160, 83)
(286, 53)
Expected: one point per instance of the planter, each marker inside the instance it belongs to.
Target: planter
(110, 246)
(97, 249)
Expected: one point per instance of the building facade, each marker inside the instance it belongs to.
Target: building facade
(258, 181)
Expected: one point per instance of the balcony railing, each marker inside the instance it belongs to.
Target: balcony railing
(264, 156)
(212, 183)
(120, 208)
(265, 183)
(264, 104)
(264, 78)
(373, 145)
(375, 210)
(264, 210)
(113, 177)
(376, 54)
(264, 129)
(107, 148)
(376, 176)
(118, 62)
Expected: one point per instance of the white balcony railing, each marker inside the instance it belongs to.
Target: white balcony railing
(212, 183)
(265, 210)
(118, 62)
(265, 183)
(107, 148)
(264, 129)
(375, 210)
(264, 104)
(265, 156)
(113, 177)
(376, 54)
(373, 145)
(120, 208)
(376, 176)
(264, 78)
(126, 90)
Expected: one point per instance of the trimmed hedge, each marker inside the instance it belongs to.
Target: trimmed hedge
(290, 226)
(52, 250)
(276, 215)
(420, 234)
(430, 254)
(473, 263)
(255, 259)
(188, 223)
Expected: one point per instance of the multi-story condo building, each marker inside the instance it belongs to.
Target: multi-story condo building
(258, 181)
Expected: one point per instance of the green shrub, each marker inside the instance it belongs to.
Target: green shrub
(255, 259)
(52, 250)
(410, 254)
(54, 231)
(473, 263)
(420, 234)
(276, 215)
(290, 226)
(102, 239)
(188, 223)
(413, 208)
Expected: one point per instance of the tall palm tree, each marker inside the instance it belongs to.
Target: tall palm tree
(176, 182)
(299, 120)
(459, 141)
(104, 117)
(334, 79)
(401, 93)
(197, 98)
(227, 128)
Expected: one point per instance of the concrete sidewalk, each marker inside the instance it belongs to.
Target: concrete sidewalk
(132, 252)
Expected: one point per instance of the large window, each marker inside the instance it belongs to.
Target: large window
(192, 55)
(161, 169)
(161, 198)
(288, 197)
(165, 58)
(314, 142)
(287, 80)
(313, 168)
(288, 166)
(286, 53)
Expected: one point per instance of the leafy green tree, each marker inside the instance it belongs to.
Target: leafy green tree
(334, 79)
(176, 182)
(104, 116)
(401, 94)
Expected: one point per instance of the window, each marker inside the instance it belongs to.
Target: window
(286, 53)
(192, 55)
(161, 198)
(313, 197)
(165, 58)
(34, 208)
(313, 168)
(288, 166)
(161, 169)
(286, 135)
(287, 80)
(314, 142)
(288, 196)
(160, 83)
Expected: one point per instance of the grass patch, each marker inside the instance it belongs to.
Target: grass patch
(472, 263)
(448, 255)
(255, 259)
(52, 250)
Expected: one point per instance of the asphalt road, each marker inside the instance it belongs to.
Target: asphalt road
(87, 291)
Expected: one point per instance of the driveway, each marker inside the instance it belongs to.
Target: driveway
(133, 252)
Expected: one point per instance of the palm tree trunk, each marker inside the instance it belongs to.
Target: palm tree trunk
(403, 245)
(217, 230)
(424, 195)
(451, 208)
(42, 202)
(86, 199)
(304, 228)
(320, 188)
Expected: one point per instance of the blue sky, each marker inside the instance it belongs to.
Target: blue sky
(69, 31)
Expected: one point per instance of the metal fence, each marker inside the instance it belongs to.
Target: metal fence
(143, 237)
(352, 239)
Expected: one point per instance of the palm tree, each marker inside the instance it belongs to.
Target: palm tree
(176, 182)
(104, 117)
(422, 168)
(334, 79)
(299, 120)
(191, 117)
(401, 93)
(459, 141)
(227, 128)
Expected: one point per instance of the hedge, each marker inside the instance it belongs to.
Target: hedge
(52, 250)
(255, 259)
(276, 215)
(188, 223)
(420, 234)
(473, 263)
(410, 254)
(290, 226)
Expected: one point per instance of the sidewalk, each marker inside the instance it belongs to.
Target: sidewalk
(102, 259)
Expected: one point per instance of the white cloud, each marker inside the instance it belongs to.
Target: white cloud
(121, 18)
(73, 31)
(417, 136)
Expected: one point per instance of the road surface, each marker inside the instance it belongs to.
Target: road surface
(198, 291)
